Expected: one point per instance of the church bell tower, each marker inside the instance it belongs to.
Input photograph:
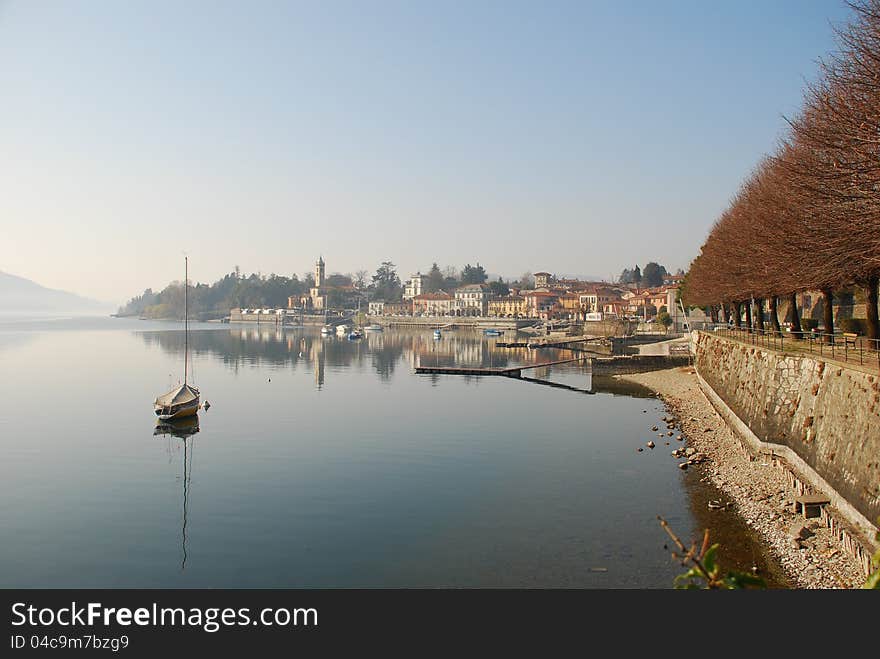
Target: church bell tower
(319, 272)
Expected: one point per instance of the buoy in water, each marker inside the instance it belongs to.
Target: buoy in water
(207, 405)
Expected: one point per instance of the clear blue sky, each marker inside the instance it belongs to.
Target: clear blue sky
(576, 137)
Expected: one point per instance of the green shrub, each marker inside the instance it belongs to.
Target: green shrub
(809, 324)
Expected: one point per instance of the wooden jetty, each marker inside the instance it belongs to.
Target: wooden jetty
(510, 372)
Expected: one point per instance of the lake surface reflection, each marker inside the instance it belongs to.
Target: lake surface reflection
(323, 462)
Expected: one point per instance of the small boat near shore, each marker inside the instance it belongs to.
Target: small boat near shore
(437, 335)
(355, 334)
(184, 399)
(327, 330)
(343, 330)
(374, 327)
(492, 332)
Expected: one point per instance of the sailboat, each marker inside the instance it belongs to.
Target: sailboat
(327, 329)
(182, 400)
(356, 332)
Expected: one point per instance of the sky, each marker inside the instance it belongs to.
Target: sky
(574, 137)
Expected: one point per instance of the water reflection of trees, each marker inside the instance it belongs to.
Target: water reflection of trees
(249, 346)
(238, 347)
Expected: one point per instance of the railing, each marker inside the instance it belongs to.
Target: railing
(839, 346)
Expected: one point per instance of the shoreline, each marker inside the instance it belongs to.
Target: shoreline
(762, 497)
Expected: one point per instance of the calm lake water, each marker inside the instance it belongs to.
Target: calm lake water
(328, 463)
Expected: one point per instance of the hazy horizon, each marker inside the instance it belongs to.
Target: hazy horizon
(578, 138)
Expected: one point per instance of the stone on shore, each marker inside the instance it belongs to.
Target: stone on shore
(757, 495)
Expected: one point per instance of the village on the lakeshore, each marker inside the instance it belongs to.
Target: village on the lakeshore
(547, 298)
(534, 298)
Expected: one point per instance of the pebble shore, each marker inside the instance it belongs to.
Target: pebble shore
(760, 493)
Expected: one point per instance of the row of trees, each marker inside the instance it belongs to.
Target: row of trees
(232, 290)
(651, 277)
(806, 218)
(387, 284)
(450, 278)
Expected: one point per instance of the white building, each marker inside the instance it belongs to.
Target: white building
(415, 286)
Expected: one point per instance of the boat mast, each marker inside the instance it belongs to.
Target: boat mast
(185, 316)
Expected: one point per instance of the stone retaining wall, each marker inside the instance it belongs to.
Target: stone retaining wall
(826, 413)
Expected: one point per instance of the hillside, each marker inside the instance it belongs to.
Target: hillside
(20, 294)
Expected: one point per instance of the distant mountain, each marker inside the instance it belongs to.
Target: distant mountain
(20, 294)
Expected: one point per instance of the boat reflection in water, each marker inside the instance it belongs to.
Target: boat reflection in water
(185, 429)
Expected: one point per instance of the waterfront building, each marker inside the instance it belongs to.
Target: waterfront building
(539, 302)
(599, 298)
(508, 306)
(439, 303)
(472, 300)
(382, 308)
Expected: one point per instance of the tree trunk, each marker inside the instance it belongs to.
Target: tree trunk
(774, 315)
(737, 314)
(795, 317)
(749, 315)
(871, 320)
(828, 314)
(759, 314)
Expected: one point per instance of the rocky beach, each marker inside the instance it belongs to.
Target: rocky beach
(756, 490)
